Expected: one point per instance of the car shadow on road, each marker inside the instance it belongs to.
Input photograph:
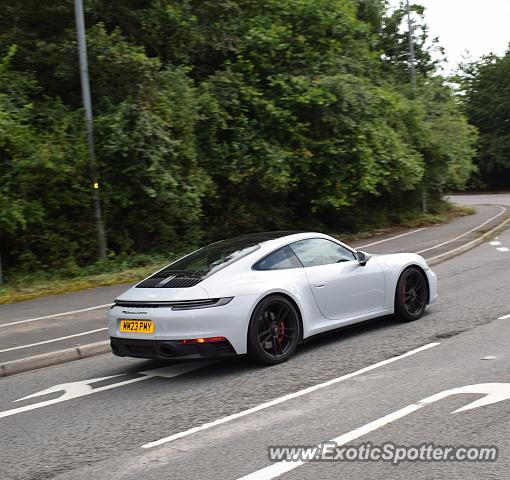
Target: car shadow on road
(349, 332)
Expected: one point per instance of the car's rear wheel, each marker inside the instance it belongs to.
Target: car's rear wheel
(274, 331)
(411, 295)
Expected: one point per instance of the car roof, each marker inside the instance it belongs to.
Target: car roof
(273, 239)
(261, 237)
(296, 236)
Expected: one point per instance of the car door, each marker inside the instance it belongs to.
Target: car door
(341, 286)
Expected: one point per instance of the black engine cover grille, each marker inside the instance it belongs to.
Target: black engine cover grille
(172, 280)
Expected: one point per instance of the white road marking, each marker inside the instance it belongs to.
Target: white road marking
(503, 210)
(393, 238)
(285, 398)
(504, 317)
(494, 243)
(72, 312)
(53, 340)
(82, 388)
(502, 249)
(468, 244)
(494, 392)
(489, 357)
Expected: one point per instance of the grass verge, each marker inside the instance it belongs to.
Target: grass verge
(38, 284)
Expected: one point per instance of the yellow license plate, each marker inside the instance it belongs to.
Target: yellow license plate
(136, 326)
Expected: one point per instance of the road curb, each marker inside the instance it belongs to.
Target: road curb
(467, 246)
(53, 358)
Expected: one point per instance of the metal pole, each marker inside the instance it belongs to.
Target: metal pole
(412, 69)
(87, 104)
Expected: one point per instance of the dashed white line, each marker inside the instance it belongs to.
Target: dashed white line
(63, 314)
(494, 243)
(285, 398)
(53, 340)
(393, 238)
(502, 249)
(504, 317)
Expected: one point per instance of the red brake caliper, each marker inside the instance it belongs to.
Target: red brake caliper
(281, 332)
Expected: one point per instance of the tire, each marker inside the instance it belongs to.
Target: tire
(411, 295)
(274, 331)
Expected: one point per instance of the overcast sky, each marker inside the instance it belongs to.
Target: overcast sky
(479, 26)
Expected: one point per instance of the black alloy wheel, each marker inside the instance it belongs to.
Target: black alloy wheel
(274, 331)
(411, 296)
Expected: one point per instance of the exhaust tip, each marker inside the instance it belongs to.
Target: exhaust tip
(166, 350)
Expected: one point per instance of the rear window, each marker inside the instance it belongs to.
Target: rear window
(213, 257)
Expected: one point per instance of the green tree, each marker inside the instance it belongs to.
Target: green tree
(215, 118)
(486, 86)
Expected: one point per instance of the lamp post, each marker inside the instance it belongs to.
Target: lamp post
(87, 104)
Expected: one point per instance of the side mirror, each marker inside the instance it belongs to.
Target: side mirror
(362, 257)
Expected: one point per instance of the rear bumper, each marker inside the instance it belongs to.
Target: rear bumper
(169, 349)
(229, 321)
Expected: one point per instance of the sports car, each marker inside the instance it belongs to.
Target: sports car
(262, 295)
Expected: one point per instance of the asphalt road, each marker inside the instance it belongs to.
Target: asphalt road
(92, 427)
(484, 198)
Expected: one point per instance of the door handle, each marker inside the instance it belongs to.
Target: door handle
(320, 284)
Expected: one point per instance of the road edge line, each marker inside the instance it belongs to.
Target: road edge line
(55, 315)
(393, 238)
(57, 357)
(467, 246)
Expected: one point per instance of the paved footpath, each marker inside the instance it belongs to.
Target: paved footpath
(60, 328)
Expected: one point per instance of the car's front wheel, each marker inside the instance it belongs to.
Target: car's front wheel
(274, 331)
(411, 295)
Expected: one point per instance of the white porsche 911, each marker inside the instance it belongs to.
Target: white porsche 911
(263, 294)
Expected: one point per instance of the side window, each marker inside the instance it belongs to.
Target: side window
(279, 260)
(320, 251)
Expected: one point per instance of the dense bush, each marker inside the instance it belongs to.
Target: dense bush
(214, 118)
